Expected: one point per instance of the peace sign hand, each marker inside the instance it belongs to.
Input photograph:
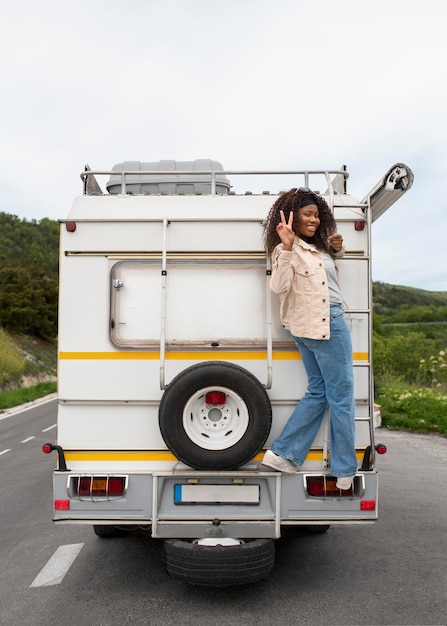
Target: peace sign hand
(285, 231)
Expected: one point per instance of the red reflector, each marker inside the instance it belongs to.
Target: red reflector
(368, 505)
(215, 397)
(47, 448)
(70, 226)
(62, 505)
(381, 448)
(359, 225)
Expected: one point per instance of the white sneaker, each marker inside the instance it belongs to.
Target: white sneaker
(279, 463)
(344, 482)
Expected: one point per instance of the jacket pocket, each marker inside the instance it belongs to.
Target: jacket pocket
(308, 270)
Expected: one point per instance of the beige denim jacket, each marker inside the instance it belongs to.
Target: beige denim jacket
(299, 278)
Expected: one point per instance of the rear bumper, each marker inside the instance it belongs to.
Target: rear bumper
(247, 503)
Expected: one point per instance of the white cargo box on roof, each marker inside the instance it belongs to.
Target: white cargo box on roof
(166, 180)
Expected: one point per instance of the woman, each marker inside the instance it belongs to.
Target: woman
(301, 239)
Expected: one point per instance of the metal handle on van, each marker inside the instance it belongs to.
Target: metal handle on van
(163, 306)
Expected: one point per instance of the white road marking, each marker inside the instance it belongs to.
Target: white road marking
(29, 439)
(59, 564)
(45, 430)
(5, 451)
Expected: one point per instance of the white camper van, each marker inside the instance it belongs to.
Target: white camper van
(175, 374)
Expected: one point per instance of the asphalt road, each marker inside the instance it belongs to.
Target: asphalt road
(394, 572)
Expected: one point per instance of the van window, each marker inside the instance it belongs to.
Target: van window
(206, 301)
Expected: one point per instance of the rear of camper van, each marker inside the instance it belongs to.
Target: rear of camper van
(175, 374)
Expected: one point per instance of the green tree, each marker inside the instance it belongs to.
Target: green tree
(29, 253)
(27, 305)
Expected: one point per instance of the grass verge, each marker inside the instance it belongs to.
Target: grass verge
(15, 397)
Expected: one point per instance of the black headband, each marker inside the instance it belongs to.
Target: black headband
(306, 200)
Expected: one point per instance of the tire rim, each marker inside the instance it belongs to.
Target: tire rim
(215, 427)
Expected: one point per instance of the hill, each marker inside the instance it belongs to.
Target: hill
(390, 299)
(407, 309)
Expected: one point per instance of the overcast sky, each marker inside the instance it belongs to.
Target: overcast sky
(254, 84)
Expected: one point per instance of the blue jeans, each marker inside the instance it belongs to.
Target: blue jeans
(330, 373)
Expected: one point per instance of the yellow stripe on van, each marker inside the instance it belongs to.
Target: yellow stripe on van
(162, 455)
(119, 456)
(279, 355)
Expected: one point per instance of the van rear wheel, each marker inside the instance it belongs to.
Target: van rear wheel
(215, 416)
(107, 532)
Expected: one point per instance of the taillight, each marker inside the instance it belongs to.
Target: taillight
(97, 486)
(325, 487)
(315, 486)
(117, 486)
(84, 486)
(215, 397)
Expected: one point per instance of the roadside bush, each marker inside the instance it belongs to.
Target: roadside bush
(410, 376)
(12, 363)
(399, 357)
(434, 369)
(418, 409)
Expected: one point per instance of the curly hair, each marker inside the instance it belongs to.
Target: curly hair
(291, 201)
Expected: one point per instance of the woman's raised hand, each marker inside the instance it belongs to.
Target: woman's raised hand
(285, 231)
(336, 242)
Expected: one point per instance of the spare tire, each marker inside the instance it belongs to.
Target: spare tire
(219, 566)
(215, 416)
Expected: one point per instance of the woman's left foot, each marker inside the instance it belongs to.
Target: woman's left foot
(279, 463)
(344, 482)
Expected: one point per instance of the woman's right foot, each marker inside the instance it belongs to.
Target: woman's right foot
(279, 463)
(344, 482)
